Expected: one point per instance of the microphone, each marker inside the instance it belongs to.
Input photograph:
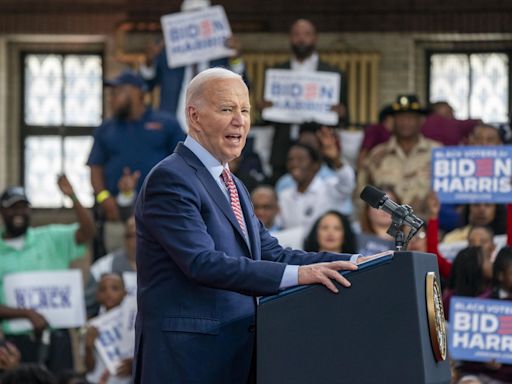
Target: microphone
(401, 213)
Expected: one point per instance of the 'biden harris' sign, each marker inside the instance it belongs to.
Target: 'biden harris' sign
(472, 174)
(57, 295)
(196, 36)
(298, 96)
(480, 330)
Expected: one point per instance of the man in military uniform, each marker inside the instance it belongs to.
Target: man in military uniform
(405, 160)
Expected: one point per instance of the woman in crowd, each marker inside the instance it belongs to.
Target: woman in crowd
(471, 275)
(332, 232)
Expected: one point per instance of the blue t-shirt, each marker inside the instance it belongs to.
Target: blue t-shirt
(138, 145)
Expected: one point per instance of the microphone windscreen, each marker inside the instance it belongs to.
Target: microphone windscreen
(372, 195)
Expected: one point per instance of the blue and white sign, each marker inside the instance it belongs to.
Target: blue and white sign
(196, 36)
(480, 330)
(298, 97)
(109, 338)
(57, 295)
(472, 174)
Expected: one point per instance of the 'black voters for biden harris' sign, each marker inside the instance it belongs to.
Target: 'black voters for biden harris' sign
(472, 174)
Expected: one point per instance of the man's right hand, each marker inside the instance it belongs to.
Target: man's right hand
(38, 321)
(325, 273)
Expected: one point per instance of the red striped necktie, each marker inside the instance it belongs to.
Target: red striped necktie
(233, 198)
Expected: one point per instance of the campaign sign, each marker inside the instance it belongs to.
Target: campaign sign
(472, 174)
(298, 97)
(196, 36)
(109, 338)
(57, 295)
(480, 330)
(128, 315)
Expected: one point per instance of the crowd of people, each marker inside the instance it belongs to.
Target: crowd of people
(309, 201)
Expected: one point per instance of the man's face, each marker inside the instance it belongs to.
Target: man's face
(111, 291)
(481, 214)
(407, 125)
(16, 218)
(300, 165)
(220, 120)
(123, 98)
(265, 207)
(303, 39)
(485, 136)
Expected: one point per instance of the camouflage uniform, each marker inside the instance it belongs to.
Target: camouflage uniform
(408, 174)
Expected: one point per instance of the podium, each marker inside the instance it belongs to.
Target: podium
(380, 330)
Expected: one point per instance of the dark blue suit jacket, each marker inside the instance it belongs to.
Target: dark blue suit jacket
(198, 276)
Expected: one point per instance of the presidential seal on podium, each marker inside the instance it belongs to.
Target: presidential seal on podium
(435, 315)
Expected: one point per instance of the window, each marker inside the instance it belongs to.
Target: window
(475, 84)
(62, 105)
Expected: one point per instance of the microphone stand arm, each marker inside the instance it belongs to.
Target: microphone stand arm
(397, 220)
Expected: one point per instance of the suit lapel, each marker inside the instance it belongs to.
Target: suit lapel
(212, 187)
(247, 210)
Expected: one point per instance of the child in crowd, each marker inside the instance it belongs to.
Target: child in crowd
(110, 295)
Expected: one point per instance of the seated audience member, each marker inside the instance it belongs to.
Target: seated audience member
(28, 374)
(480, 214)
(374, 226)
(442, 108)
(375, 134)
(332, 232)
(404, 161)
(485, 134)
(302, 205)
(471, 276)
(266, 208)
(110, 295)
(45, 248)
(440, 125)
(314, 134)
(118, 262)
(494, 372)
(502, 276)
(248, 167)
(477, 235)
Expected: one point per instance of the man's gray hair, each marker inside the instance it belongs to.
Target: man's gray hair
(196, 87)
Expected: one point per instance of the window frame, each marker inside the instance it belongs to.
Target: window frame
(430, 52)
(62, 131)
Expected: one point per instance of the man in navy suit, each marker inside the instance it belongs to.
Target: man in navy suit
(202, 255)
